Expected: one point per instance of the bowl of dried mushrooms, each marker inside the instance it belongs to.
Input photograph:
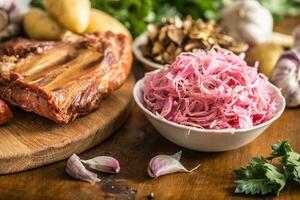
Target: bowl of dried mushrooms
(160, 44)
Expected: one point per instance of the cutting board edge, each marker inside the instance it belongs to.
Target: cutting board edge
(6, 167)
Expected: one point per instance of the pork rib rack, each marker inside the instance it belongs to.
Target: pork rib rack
(65, 79)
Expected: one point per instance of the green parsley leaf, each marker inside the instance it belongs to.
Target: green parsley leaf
(288, 158)
(291, 166)
(280, 149)
(259, 177)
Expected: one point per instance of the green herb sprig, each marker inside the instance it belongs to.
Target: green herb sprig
(262, 177)
(259, 177)
(289, 159)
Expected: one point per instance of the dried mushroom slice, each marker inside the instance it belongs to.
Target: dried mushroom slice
(176, 34)
(194, 44)
(162, 33)
(211, 41)
(196, 34)
(187, 24)
(157, 48)
(225, 40)
(238, 47)
(168, 58)
(152, 32)
(171, 48)
(178, 22)
(178, 51)
(159, 59)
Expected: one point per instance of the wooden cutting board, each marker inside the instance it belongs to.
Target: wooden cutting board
(30, 141)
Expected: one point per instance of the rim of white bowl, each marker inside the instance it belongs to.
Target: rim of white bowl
(137, 89)
(141, 40)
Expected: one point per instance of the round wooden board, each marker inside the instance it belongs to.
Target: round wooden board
(30, 141)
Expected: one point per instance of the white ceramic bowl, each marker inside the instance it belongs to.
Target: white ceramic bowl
(204, 139)
(139, 41)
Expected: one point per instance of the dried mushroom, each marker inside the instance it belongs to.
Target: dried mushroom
(174, 35)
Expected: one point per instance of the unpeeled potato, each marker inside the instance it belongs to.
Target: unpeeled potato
(39, 25)
(101, 21)
(266, 54)
(72, 14)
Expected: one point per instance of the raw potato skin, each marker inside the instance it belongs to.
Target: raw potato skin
(101, 22)
(266, 54)
(5, 113)
(74, 15)
(39, 25)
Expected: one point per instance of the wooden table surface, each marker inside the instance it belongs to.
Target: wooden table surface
(134, 145)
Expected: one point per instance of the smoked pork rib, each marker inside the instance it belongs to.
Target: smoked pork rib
(66, 79)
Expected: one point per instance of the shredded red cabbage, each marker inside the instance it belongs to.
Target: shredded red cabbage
(209, 90)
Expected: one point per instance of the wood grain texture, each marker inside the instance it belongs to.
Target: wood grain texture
(30, 141)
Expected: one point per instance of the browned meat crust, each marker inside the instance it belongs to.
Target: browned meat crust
(5, 113)
(63, 80)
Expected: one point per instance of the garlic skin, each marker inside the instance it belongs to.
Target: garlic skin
(286, 76)
(166, 164)
(296, 36)
(77, 170)
(105, 164)
(11, 15)
(248, 21)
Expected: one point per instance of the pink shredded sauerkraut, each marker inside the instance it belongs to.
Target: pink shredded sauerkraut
(209, 90)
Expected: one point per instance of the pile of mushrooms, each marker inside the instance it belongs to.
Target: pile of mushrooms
(174, 36)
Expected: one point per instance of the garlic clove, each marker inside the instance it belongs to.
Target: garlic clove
(177, 155)
(77, 170)
(166, 164)
(103, 164)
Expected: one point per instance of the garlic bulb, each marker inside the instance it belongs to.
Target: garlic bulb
(247, 21)
(296, 35)
(11, 15)
(286, 76)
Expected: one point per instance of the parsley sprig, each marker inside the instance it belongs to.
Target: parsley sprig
(289, 159)
(259, 177)
(262, 177)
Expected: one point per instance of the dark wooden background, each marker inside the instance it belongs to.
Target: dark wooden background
(135, 144)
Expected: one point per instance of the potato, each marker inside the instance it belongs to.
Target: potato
(101, 21)
(72, 14)
(39, 25)
(266, 54)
